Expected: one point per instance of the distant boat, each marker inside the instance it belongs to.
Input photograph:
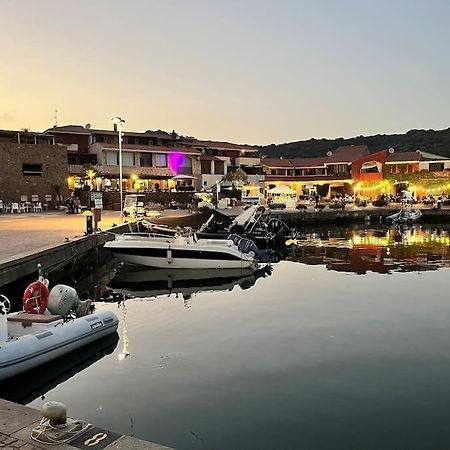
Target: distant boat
(185, 250)
(405, 215)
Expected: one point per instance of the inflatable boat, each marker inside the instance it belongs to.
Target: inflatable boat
(52, 324)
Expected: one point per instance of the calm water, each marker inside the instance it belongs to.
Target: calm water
(310, 356)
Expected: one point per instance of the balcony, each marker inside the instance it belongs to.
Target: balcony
(247, 161)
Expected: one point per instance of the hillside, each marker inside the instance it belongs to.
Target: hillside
(426, 140)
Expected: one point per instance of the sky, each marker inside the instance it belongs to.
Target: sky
(245, 71)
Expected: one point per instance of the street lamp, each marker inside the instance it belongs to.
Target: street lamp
(118, 121)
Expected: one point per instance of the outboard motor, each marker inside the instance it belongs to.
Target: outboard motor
(247, 246)
(278, 226)
(62, 299)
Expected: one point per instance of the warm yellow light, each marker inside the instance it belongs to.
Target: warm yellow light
(134, 177)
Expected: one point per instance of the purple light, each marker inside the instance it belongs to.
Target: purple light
(175, 161)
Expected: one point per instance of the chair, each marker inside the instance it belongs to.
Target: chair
(37, 207)
(1, 206)
(23, 208)
(15, 208)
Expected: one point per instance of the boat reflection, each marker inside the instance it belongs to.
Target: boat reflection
(382, 250)
(152, 283)
(26, 387)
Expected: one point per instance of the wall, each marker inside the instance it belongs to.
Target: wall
(13, 183)
(356, 167)
(81, 139)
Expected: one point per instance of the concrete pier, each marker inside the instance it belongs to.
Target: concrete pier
(310, 216)
(52, 256)
(17, 422)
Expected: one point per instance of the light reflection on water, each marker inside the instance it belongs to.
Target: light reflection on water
(307, 357)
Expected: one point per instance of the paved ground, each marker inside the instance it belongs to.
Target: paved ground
(20, 233)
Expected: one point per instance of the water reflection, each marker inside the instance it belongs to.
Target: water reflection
(25, 388)
(183, 283)
(382, 250)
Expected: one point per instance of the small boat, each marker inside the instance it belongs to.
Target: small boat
(405, 215)
(254, 223)
(52, 324)
(185, 250)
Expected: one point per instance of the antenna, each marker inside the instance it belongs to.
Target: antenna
(56, 118)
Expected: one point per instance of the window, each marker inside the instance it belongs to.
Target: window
(112, 158)
(131, 140)
(206, 167)
(160, 160)
(338, 169)
(146, 160)
(290, 172)
(394, 169)
(436, 167)
(99, 139)
(186, 166)
(219, 167)
(33, 170)
(128, 159)
(143, 141)
(48, 197)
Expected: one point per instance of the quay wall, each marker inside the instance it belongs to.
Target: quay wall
(52, 257)
(299, 218)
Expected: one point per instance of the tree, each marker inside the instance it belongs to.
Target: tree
(236, 177)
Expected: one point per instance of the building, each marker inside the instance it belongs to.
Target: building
(151, 160)
(32, 168)
(353, 169)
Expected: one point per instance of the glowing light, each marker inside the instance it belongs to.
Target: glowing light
(175, 161)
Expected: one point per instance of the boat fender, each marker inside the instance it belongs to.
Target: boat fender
(35, 298)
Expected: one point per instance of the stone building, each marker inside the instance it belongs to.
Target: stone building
(32, 168)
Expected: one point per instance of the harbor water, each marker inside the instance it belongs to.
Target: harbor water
(344, 344)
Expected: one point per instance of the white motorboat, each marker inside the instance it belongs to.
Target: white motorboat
(184, 251)
(405, 215)
(53, 324)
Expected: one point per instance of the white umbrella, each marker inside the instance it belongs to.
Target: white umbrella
(282, 189)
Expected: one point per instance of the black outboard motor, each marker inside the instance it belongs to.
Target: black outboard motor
(247, 246)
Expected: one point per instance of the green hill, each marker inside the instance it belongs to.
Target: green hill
(426, 140)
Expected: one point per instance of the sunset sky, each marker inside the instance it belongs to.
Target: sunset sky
(245, 71)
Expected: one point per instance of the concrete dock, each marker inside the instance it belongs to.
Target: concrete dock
(17, 422)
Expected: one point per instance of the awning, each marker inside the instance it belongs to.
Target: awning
(371, 164)
(282, 189)
(181, 176)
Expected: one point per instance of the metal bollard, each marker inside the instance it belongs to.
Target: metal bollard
(89, 225)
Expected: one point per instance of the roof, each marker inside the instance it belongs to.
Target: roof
(224, 145)
(309, 162)
(276, 162)
(347, 154)
(78, 129)
(152, 149)
(404, 157)
(148, 133)
(209, 158)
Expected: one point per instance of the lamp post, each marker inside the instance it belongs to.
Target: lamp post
(118, 121)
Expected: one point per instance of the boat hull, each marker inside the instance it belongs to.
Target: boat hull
(32, 350)
(160, 253)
